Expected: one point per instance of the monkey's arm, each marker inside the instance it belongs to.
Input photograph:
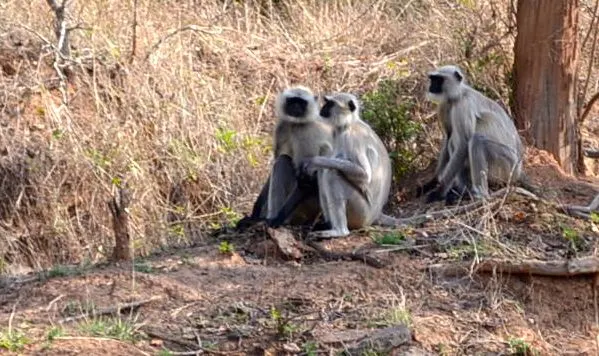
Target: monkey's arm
(443, 157)
(357, 173)
(463, 123)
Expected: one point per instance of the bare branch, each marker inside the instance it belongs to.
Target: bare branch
(591, 60)
(174, 32)
(134, 33)
(588, 106)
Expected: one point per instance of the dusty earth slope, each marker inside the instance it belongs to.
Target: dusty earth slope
(253, 302)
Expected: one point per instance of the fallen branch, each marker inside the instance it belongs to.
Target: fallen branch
(112, 310)
(451, 212)
(89, 338)
(379, 339)
(563, 268)
(196, 349)
(176, 31)
(348, 256)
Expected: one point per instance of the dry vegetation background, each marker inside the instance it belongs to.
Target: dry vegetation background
(187, 120)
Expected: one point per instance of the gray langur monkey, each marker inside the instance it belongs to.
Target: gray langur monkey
(481, 143)
(354, 181)
(291, 195)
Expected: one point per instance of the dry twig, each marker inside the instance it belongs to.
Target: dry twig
(111, 310)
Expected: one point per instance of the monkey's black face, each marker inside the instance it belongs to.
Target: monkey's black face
(295, 106)
(327, 109)
(436, 84)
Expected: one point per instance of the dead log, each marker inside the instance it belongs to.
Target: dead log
(285, 242)
(119, 208)
(556, 268)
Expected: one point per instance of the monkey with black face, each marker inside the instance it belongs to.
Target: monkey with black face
(354, 181)
(481, 143)
(290, 195)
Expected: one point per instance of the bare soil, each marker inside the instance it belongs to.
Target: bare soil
(225, 302)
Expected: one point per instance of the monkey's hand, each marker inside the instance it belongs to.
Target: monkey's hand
(307, 168)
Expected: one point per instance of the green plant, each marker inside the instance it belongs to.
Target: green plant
(226, 248)
(400, 316)
(520, 347)
(310, 348)
(226, 139)
(54, 333)
(143, 267)
(13, 340)
(284, 328)
(389, 115)
(231, 216)
(571, 235)
(392, 238)
(116, 328)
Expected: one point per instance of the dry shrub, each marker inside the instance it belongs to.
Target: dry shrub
(188, 123)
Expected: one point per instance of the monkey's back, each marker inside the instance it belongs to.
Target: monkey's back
(359, 137)
(300, 141)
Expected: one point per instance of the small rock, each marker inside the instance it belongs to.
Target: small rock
(291, 347)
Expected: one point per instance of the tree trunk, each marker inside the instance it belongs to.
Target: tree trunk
(545, 64)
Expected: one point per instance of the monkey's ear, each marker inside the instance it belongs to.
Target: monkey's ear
(351, 105)
(458, 76)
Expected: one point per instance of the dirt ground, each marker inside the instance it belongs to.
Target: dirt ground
(251, 301)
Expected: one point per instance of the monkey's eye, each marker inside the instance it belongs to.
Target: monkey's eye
(351, 105)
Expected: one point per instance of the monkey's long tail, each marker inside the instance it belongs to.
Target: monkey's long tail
(389, 221)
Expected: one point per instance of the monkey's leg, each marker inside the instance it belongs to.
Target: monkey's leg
(297, 196)
(333, 192)
(479, 165)
(461, 188)
(282, 182)
(258, 210)
(454, 166)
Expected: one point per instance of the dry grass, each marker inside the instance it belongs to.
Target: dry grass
(188, 122)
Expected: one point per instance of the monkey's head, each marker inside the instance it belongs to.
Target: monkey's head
(297, 104)
(445, 84)
(340, 109)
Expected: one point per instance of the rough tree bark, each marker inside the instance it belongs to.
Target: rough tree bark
(545, 65)
(119, 206)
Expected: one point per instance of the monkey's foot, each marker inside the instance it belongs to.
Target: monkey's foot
(247, 222)
(327, 234)
(274, 223)
(480, 194)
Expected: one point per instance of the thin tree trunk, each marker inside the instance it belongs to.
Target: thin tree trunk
(545, 64)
